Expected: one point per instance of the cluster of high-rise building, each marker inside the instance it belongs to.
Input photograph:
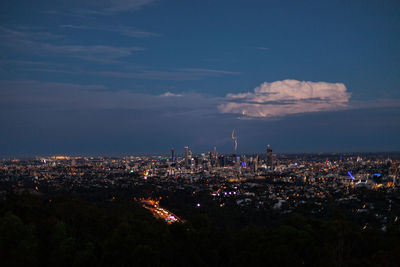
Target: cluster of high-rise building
(214, 159)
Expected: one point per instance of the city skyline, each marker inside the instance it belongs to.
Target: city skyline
(143, 76)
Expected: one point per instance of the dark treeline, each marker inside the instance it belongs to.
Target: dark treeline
(68, 231)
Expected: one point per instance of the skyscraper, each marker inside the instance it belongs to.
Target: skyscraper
(172, 154)
(215, 157)
(221, 160)
(187, 156)
(255, 164)
(269, 157)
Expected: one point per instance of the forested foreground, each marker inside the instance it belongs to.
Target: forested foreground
(67, 231)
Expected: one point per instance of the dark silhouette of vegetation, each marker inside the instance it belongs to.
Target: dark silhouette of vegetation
(68, 231)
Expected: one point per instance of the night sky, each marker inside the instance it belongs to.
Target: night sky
(128, 77)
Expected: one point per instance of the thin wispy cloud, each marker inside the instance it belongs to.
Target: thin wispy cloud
(28, 63)
(42, 43)
(9, 35)
(98, 53)
(125, 5)
(84, 8)
(184, 74)
(169, 94)
(211, 71)
(99, 7)
(123, 30)
(51, 70)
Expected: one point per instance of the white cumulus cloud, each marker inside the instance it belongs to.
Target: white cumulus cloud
(287, 97)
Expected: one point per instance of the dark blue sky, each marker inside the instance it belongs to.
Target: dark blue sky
(140, 76)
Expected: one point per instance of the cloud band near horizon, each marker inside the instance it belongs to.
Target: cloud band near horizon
(286, 97)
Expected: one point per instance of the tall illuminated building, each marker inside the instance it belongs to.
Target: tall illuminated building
(186, 156)
(215, 157)
(172, 154)
(221, 161)
(269, 157)
(255, 164)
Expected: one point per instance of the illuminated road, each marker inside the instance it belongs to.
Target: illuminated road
(159, 212)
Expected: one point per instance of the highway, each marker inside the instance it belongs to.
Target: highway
(159, 212)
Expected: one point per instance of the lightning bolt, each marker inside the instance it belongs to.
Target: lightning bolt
(234, 138)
